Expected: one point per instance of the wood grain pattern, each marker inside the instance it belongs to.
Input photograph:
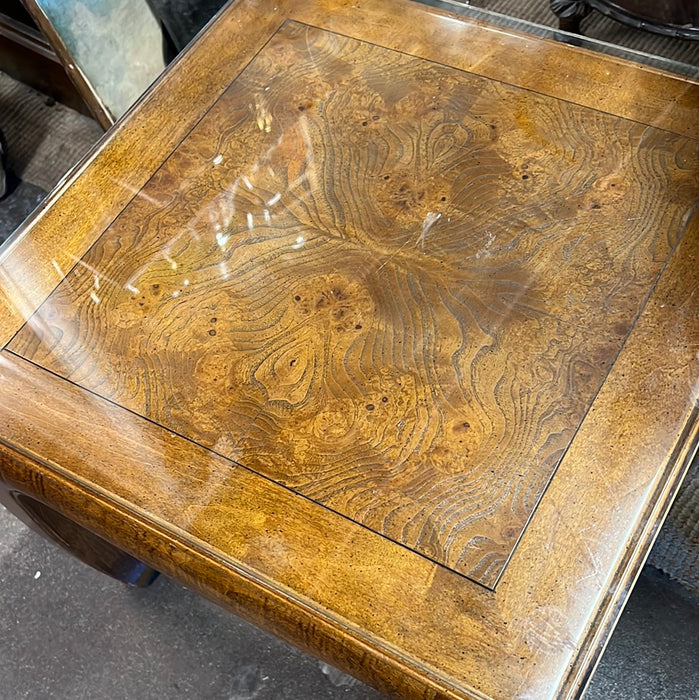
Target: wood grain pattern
(413, 628)
(134, 148)
(391, 286)
(386, 614)
(582, 77)
(32, 265)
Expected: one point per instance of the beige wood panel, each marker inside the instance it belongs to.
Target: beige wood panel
(112, 51)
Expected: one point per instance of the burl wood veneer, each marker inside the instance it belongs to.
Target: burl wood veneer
(395, 334)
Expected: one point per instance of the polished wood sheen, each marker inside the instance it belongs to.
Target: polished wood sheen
(369, 328)
(414, 283)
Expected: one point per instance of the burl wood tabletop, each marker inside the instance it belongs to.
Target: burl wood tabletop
(398, 289)
(390, 285)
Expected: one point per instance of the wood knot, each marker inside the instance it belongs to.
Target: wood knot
(334, 302)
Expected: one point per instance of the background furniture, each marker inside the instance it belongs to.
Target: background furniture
(677, 18)
(112, 50)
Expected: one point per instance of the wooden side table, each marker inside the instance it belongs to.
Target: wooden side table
(377, 326)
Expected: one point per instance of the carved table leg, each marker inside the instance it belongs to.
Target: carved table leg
(570, 13)
(82, 543)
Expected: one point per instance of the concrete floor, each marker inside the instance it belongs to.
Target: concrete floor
(68, 632)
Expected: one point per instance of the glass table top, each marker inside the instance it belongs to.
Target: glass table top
(412, 278)
(376, 317)
(521, 18)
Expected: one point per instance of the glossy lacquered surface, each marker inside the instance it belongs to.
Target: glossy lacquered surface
(385, 338)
